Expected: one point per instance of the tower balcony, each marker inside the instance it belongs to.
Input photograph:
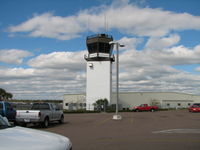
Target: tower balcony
(99, 57)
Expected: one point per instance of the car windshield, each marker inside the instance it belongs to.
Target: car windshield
(195, 106)
(4, 123)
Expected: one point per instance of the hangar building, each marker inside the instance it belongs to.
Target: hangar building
(128, 100)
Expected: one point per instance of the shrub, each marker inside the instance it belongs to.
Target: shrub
(79, 111)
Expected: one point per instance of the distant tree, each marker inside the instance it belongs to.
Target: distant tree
(102, 104)
(5, 95)
(2, 93)
(9, 96)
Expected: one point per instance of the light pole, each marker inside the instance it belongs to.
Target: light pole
(117, 116)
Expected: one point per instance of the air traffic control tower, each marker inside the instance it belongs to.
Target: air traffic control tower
(99, 69)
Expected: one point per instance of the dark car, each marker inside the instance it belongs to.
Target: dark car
(6, 110)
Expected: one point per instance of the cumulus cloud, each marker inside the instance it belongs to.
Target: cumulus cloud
(59, 60)
(197, 69)
(41, 83)
(159, 43)
(174, 55)
(126, 18)
(179, 55)
(16, 73)
(47, 25)
(130, 43)
(13, 56)
(150, 69)
(57, 73)
(49, 76)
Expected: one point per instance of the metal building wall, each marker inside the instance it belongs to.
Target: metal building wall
(74, 101)
(131, 99)
(162, 99)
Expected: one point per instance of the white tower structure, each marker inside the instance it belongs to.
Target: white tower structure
(99, 69)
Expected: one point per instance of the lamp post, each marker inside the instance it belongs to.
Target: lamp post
(117, 116)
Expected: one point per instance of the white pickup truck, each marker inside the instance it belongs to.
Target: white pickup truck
(19, 138)
(42, 113)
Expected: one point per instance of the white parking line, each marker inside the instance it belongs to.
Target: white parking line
(179, 131)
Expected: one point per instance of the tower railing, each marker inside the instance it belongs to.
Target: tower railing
(99, 36)
(89, 56)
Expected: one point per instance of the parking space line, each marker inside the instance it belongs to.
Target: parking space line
(131, 120)
(172, 141)
(103, 121)
(179, 131)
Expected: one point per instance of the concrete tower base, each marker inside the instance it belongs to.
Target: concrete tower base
(117, 117)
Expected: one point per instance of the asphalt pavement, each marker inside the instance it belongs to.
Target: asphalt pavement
(161, 130)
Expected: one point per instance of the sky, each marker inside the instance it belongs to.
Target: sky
(43, 43)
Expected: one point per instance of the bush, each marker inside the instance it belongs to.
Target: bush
(166, 109)
(79, 111)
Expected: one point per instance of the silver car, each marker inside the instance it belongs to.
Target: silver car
(19, 138)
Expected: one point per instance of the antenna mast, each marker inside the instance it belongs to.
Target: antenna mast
(105, 23)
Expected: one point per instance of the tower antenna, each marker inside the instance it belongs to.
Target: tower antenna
(88, 26)
(105, 23)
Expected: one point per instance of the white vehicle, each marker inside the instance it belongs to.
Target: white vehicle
(19, 138)
(42, 113)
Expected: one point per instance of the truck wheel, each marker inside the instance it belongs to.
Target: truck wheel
(61, 119)
(137, 110)
(45, 124)
(15, 123)
(152, 110)
(24, 125)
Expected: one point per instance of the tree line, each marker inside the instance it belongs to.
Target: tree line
(5, 95)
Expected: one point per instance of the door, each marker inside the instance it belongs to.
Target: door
(56, 112)
(1, 108)
(143, 107)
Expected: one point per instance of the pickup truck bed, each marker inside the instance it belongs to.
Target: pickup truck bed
(28, 116)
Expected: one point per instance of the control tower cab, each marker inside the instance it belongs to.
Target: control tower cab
(99, 48)
(99, 69)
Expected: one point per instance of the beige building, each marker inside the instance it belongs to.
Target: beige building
(128, 100)
(74, 101)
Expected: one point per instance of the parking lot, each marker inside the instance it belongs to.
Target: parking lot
(162, 130)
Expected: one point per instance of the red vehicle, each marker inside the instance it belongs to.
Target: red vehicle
(145, 107)
(195, 107)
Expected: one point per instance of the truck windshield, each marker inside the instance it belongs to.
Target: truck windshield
(42, 106)
(195, 106)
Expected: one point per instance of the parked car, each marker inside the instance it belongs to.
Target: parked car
(6, 110)
(42, 113)
(145, 107)
(194, 108)
(19, 138)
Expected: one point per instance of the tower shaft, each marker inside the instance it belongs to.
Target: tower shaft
(99, 82)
